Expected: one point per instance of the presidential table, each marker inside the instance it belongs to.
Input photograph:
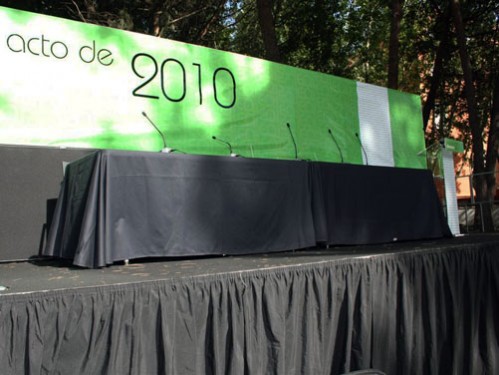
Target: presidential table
(118, 205)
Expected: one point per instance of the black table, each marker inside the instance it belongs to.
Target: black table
(117, 205)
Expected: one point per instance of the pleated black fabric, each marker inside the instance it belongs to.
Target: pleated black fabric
(411, 313)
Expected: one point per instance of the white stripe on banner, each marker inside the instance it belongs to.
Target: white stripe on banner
(375, 126)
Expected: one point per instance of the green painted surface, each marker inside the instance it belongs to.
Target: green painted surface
(407, 130)
(83, 85)
(453, 145)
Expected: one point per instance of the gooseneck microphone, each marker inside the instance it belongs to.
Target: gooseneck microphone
(293, 139)
(430, 147)
(165, 147)
(362, 147)
(227, 144)
(336, 143)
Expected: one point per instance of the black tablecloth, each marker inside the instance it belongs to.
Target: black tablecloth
(356, 204)
(117, 205)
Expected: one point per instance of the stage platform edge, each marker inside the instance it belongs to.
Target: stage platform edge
(422, 307)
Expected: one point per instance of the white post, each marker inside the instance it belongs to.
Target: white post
(450, 191)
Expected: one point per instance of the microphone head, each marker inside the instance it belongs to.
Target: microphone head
(357, 135)
(213, 137)
(329, 131)
(144, 114)
(287, 124)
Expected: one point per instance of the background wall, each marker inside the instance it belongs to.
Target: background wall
(29, 176)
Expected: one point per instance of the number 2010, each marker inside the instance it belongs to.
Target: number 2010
(166, 66)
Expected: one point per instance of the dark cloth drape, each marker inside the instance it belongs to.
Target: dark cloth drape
(117, 205)
(356, 204)
(418, 312)
(122, 205)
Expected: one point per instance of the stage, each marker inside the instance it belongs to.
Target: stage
(321, 249)
(416, 307)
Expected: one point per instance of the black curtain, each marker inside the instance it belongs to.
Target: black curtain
(419, 312)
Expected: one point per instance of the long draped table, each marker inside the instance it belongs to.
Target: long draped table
(117, 205)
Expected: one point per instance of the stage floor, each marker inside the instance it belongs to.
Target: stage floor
(43, 275)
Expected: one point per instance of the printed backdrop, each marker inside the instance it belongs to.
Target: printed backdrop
(70, 84)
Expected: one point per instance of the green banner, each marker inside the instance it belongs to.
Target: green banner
(453, 145)
(66, 83)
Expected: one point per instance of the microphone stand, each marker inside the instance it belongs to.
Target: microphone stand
(165, 148)
(293, 139)
(336, 143)
(362, 147)
(232, 154)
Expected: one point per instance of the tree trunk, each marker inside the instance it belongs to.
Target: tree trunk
(441, 55)
(491, 156)
(393, 53)
(213, 19)
(480, 184)
(91, 8)
(267, 26)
